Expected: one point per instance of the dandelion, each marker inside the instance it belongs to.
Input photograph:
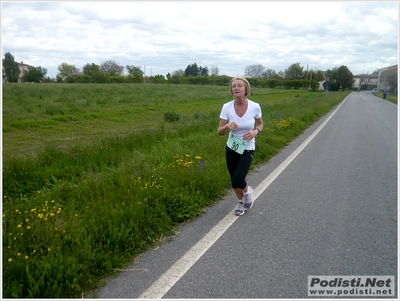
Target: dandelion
(33, 210)
(26, 257)
(5, 196)
(28, 227)
(3, 215)
(9, 259)
(52, 214)
(18, 254)
(16, 210)
(19, 226)
(49, 249)
(198, 157)
(27, 220)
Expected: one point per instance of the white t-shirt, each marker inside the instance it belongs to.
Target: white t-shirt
(246, 123)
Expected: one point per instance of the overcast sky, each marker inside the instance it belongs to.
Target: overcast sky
(164, 36)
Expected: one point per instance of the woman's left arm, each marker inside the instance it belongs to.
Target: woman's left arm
(259, 124)
(253, 133)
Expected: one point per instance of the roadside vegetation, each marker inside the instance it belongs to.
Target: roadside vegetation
(392, 97)
(95, 174)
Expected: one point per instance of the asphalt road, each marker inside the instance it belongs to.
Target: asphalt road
(331, 210)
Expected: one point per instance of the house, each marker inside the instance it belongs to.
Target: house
(365, 80)
(383, 74)
(22, 68)
(324, 84)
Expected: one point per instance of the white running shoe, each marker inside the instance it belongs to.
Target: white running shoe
(239, 209)
(248, 198)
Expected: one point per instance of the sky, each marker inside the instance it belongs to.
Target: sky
(165, 36)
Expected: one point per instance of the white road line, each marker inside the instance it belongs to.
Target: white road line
(166, 281)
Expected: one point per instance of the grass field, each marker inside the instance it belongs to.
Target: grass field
(95, 174)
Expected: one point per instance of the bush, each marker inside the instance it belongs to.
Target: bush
(171, 116)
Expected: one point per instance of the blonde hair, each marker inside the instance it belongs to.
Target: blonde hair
(245, 82)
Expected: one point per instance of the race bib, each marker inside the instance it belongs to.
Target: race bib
(236, 144)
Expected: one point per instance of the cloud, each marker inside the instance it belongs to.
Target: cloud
(166, 36)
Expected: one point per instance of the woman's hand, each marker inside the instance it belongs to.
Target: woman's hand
(250, 135)
(232, 125)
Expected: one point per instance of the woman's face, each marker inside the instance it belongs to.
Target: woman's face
(238, 89)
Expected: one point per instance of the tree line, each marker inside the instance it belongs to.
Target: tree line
(111, 72)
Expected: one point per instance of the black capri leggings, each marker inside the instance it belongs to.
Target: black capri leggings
(238, 166)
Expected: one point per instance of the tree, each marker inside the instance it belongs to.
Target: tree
(88, 69)
(281, 73)
(132, 70)
(111, 68)
(204, 71)
(270, 73)
(11, 68)
(34, 74)
(344, 78)
(66, 70)
(332, 74)
(318, 75)
(178, 73)
(192, 70)
(135, 74)
(214, 70)
(254, 71)
(295, 71)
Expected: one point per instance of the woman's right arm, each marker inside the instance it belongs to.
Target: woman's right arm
(223, 127)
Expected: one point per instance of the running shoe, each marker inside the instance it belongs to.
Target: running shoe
(239, 209)
(248, 198)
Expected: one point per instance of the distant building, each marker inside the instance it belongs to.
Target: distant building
(324, 84)
(22, 67)
(365, 79)
(382, 77)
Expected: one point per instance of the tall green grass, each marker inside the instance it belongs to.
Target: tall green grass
(111, 169)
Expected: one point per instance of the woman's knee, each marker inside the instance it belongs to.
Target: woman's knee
(238, 183)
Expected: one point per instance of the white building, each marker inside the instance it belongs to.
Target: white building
(22, 67)
(365, 79)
